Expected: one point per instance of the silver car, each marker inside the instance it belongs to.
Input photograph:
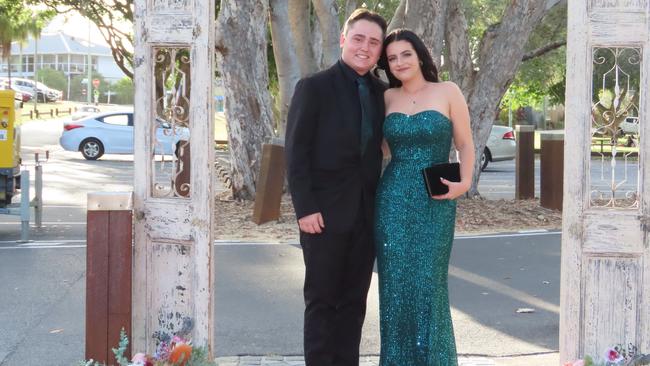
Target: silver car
(500, 146)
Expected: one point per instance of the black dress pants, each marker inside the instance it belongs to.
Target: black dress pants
(337, 278)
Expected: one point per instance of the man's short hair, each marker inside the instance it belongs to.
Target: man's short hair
(369, 15)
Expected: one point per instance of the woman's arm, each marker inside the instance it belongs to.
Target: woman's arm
(462, 132)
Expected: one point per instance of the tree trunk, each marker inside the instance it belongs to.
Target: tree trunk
(328, 18)
(500, 54)
(317, 44)
(428, 20)
(242, 60)
(459, 58)
(299, 15)
(285, 58)
(350, 6)
(399, 18)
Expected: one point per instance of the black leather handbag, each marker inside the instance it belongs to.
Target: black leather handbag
(432, 175)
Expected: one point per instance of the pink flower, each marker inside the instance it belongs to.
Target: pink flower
(139, 359)
(612, 355)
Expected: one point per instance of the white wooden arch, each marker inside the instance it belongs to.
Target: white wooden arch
(605, 291)
(173, 200)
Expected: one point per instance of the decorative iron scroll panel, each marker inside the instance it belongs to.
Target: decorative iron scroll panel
(170, 129)
(615, 131)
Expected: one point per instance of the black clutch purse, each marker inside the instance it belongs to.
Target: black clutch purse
(432, 175)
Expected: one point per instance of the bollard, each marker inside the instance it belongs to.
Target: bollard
(24, 206)
(551, 169)
(57, 112)
(51, 113)
(268, 195)
(109, 239)
(525, 162)
(38, 188)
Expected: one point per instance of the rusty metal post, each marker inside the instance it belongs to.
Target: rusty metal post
(108, 273)
(525, 162)
(268, 194)
(551, 169)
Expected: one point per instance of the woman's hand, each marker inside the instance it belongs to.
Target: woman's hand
(456, 189)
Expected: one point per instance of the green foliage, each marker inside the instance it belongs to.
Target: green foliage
(124, 91)
(77, 87)
(52, 78)
(121, 348)
(18, 22)
(545, 74)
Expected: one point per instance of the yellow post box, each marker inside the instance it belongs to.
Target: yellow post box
(9, 147)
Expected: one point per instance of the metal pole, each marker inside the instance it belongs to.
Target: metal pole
(38, 199)
(35, 67)
(88, 84)
(24, 206)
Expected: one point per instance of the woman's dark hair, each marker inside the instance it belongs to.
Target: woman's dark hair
(429, 70)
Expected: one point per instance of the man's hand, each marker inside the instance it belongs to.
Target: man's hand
(311, 224)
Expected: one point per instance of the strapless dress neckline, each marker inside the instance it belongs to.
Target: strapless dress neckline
(434, 111)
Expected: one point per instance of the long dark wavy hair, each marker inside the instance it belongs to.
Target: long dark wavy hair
(429, 70)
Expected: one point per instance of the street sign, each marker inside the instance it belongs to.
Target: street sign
(96, 83)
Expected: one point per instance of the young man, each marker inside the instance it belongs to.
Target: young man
(334, 133)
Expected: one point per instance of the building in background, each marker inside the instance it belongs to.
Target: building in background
(63, 52)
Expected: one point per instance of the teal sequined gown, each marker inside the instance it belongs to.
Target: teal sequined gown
(413, 236)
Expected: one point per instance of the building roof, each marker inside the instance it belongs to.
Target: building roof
(61, 43)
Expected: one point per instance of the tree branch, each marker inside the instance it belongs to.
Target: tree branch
(543, 50)
(399, 17)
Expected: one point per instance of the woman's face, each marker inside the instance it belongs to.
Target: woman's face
(403, 61)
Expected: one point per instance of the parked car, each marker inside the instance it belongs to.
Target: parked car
(23, 96)
(630, 126)
(84, 111)
(501, 145)
(43, 92)
(112, 133)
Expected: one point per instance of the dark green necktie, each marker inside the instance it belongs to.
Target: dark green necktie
(366, 112)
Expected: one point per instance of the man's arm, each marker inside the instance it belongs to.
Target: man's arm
(301, 131)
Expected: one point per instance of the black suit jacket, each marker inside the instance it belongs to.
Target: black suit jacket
(327, 172)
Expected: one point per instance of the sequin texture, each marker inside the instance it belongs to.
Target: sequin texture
(414, 235)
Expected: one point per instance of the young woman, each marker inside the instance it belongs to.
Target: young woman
(414, 232)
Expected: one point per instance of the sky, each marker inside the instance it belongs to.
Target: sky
(75, 24)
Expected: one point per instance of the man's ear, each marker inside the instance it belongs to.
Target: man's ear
(341, 40)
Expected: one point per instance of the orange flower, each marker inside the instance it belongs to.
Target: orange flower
(180, 354)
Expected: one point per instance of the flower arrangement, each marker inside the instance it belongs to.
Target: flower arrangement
(617, 356)
(170, 351)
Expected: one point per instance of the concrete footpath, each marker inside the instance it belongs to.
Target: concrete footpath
(546, 359)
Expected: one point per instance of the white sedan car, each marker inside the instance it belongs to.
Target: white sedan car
(501, 145)
(112, 133)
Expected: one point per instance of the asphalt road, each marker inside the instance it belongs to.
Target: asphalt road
(258, 299)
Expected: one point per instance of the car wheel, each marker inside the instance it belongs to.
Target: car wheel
(91, 149)
(485, 158)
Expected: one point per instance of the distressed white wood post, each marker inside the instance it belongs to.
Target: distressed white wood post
(173, 263)
(605, 291)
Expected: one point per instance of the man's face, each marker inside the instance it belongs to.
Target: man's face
(361, 46)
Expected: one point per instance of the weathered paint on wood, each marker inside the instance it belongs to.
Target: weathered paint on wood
(108, 282)
(605, 291)
(173, 264)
